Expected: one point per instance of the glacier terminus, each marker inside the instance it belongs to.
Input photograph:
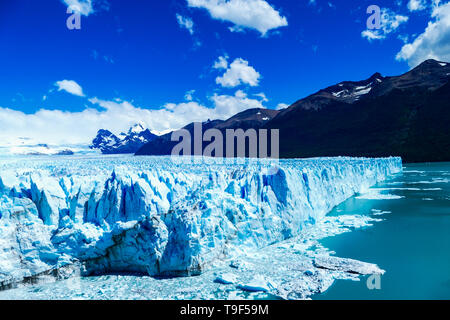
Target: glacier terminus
(160, 219)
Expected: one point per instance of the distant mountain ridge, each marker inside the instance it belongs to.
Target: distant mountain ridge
(347, 91)
(109, 143)
(250, 118)
(406, 115)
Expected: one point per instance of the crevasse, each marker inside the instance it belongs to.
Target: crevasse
(158, 216)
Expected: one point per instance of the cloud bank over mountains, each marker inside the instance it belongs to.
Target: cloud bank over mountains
(62, 127)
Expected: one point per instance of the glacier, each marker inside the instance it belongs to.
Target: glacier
(63, 217)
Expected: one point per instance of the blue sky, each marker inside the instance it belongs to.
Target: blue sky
(166, 63)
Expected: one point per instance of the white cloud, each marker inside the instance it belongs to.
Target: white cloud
(86, 7)
(70, 86)
(227, 106)
(108, 59)
(372, 35)
(221, 63)
(189, 96)
(390, 22)
(186, 23)
(433, 43)
(403, 37)
(238, 72)
(262, 95)
(417, 5)
(61, 127)
(282, 106)
(83, 7)
(252, 14)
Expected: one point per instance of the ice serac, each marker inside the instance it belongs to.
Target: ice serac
(160, 216)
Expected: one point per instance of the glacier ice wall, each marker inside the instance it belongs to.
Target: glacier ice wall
(156, 216)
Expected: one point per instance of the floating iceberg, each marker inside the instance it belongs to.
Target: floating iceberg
(154, 216)
(258, 283)
(226, 278)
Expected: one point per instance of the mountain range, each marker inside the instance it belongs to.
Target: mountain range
(109, 143)
(406, 115)
(251, 118)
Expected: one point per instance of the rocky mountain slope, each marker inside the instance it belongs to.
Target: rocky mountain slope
(405, 116)
(251, 118)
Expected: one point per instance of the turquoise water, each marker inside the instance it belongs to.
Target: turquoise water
(412, 243)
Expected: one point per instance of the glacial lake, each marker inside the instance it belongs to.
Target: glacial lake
(412, 243)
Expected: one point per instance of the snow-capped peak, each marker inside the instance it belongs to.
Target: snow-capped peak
(137, 128)
(129, 142)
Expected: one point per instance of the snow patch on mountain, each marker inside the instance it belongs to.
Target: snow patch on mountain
(353, 93)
